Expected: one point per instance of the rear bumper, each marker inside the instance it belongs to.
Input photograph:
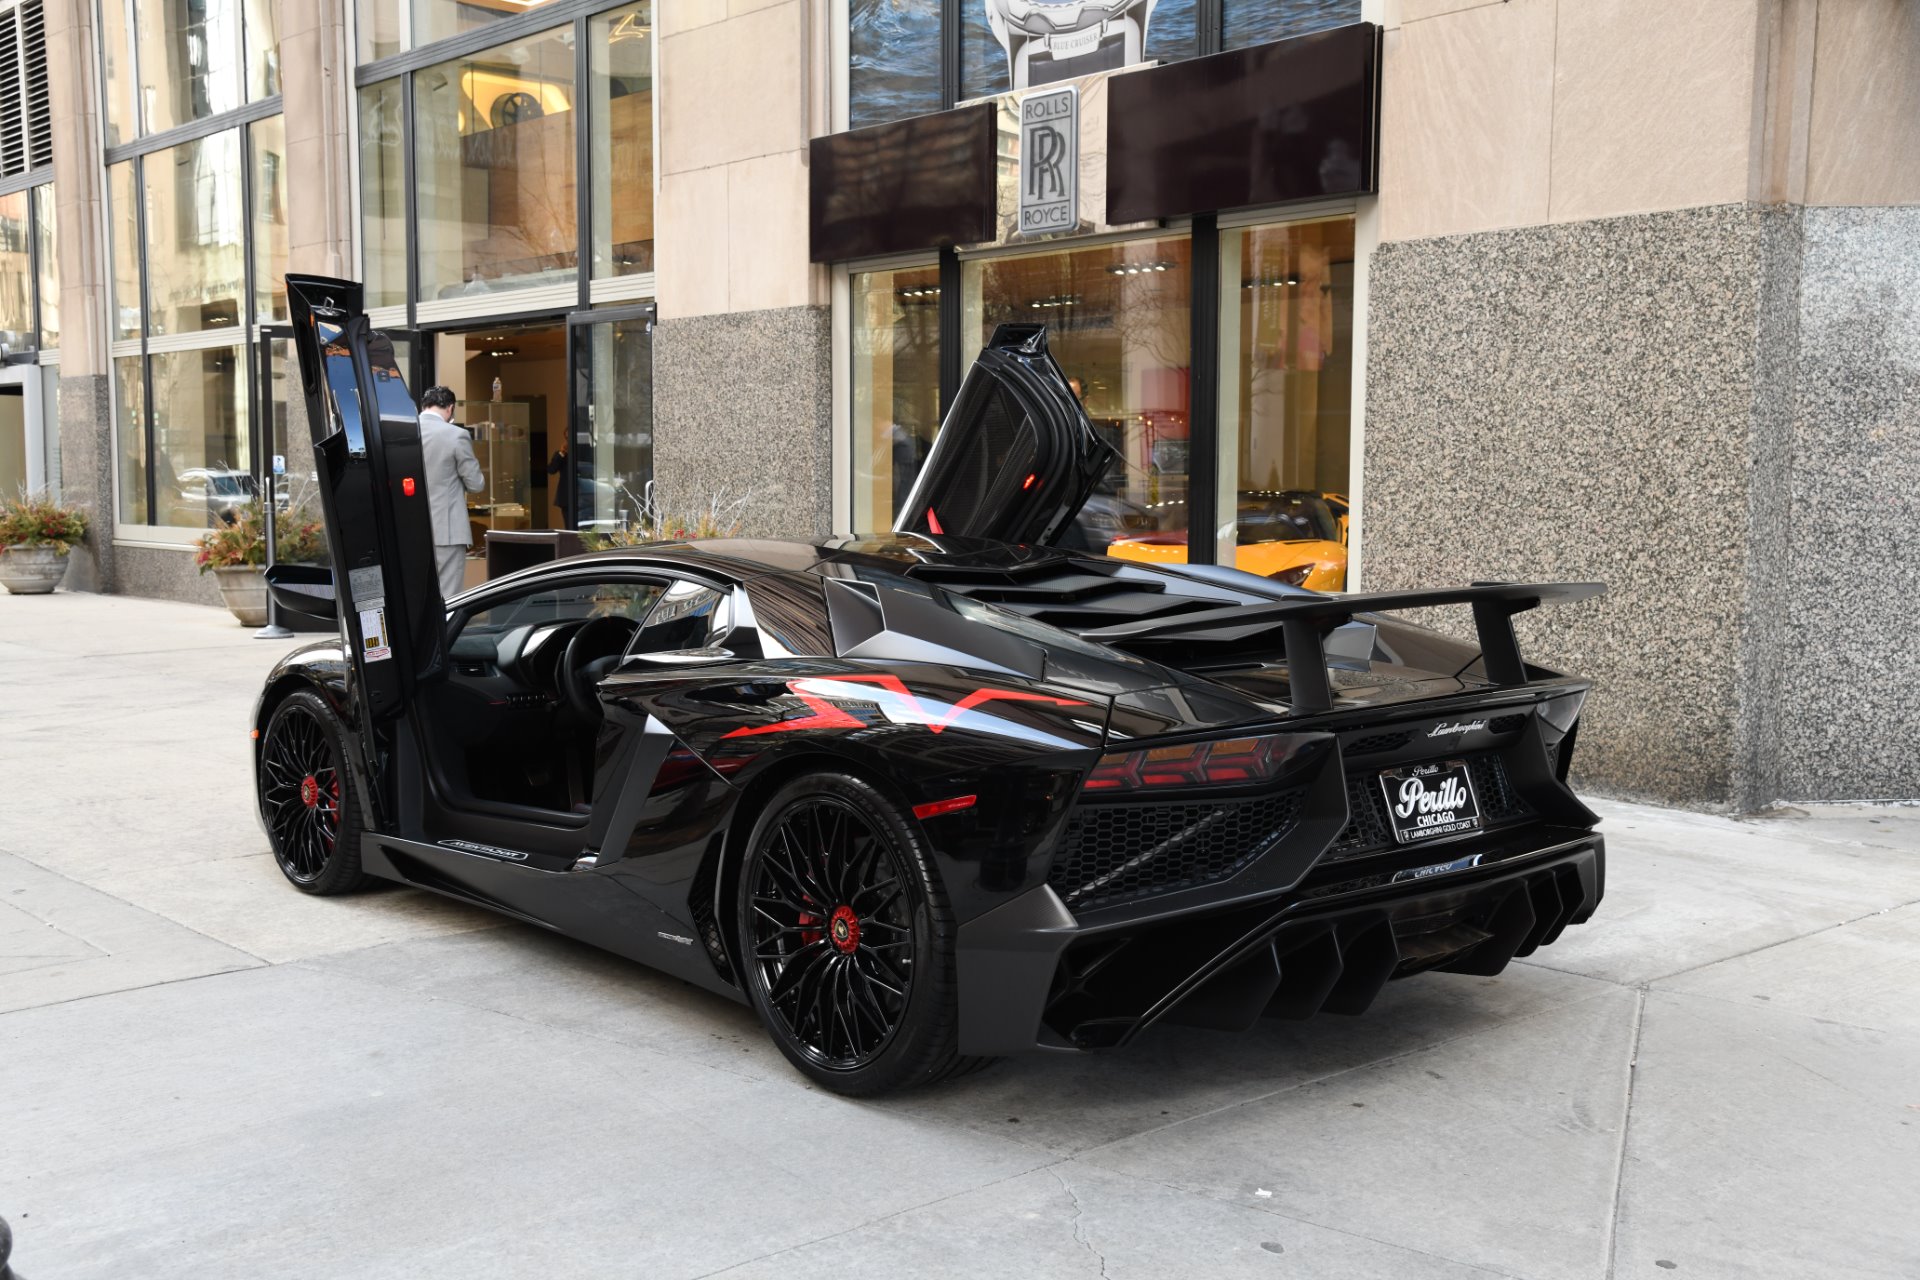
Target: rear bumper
(1032, 976)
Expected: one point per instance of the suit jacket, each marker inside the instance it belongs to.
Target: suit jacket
(452, 473)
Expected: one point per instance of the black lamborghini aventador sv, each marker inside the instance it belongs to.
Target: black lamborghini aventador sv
(929, 798)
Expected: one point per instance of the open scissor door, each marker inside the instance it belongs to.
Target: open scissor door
(373, 491)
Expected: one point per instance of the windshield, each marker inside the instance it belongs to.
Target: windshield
(1287, 516)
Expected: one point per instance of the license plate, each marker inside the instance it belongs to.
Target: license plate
(1428, 801)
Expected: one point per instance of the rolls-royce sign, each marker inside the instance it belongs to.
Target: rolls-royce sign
(1050, 161)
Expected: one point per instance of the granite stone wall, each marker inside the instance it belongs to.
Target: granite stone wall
(1578, 401)
(1717, 412)
(86, 474)
(743, 406)
(1847, 675)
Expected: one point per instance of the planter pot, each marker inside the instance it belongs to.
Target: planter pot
(243, 589)
(32, 571)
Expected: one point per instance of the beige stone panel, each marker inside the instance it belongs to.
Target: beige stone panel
(690, 243)
(737, 7)
(732, 90)
(1864, 136)
(1466, 121)
(767, 234)
(1653, 105)
(671, 17)
(72, 80)
(1421, 10)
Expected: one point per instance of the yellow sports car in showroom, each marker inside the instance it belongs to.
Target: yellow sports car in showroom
(1289, 535)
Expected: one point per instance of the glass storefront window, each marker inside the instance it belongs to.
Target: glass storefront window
(613, 429)
(438, 19)
(494, 172)
(1245, 22)
(47, 254)
(123, 220)
(196, 236)
(130, 437)
(263, 48)
(121, 125)
(189, 60)
(1119, 322)
(16, 274)
(896, 387)
(268, 138)
(1286, 400)
(621, 50)
(201, 466)
(383, 195)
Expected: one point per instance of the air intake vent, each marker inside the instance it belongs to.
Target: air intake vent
(1115, 853)
(13, 109)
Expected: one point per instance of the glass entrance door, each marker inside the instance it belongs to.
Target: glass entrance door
(609, 452)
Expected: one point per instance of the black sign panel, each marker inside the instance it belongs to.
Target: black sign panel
(1292, 120)
(914, 184)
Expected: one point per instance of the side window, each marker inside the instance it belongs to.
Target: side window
(571, 603)
(688, 616)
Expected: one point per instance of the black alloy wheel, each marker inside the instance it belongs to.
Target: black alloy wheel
(307, 798)
(849, 940)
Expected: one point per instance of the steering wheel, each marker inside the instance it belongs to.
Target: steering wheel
(594, 650)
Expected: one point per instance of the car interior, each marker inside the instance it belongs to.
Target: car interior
(518, 724)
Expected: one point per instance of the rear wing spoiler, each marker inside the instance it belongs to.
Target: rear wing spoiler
(1305, 623)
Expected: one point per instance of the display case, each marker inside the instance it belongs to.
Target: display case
(502, 443)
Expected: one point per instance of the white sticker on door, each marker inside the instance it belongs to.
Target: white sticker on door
(373, 636)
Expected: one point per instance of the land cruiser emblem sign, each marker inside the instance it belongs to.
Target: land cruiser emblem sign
(1050, 161)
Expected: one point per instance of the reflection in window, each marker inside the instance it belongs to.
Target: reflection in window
(200, 460)
(47, 254)
(196, 236)
(896, 387)
(268, 139)
(1017, 44)
(1245, 22)
(130, 437)
(117, 61)
(123, 221)
(263, 49)
(613, 433)
(378, 26)
(1286, 399)
(383, 195)
(189, 64)
(16, 274)
(494, 151)
(438, 19)
(621, 45)
(1118, 321)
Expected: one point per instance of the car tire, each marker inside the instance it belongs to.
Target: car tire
(848, 940)
(308, 799)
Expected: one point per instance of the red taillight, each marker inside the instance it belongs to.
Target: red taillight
(406, 486)
(1225, 763)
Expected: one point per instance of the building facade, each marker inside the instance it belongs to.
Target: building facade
(1365, 294)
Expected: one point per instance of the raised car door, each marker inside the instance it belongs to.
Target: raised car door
(1016, 456)
(366, 448)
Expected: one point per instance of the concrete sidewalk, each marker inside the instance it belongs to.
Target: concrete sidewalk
(206, 1074)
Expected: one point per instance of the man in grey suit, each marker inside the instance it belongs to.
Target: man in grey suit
(452, 472)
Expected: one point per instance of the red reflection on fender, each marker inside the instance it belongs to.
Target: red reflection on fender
(934, 808)
(828, 716)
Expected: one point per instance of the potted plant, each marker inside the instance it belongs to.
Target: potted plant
(36, 536)
(236, 553)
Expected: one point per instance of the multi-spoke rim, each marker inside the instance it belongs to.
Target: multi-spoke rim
(832, 931)
(300, 792)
